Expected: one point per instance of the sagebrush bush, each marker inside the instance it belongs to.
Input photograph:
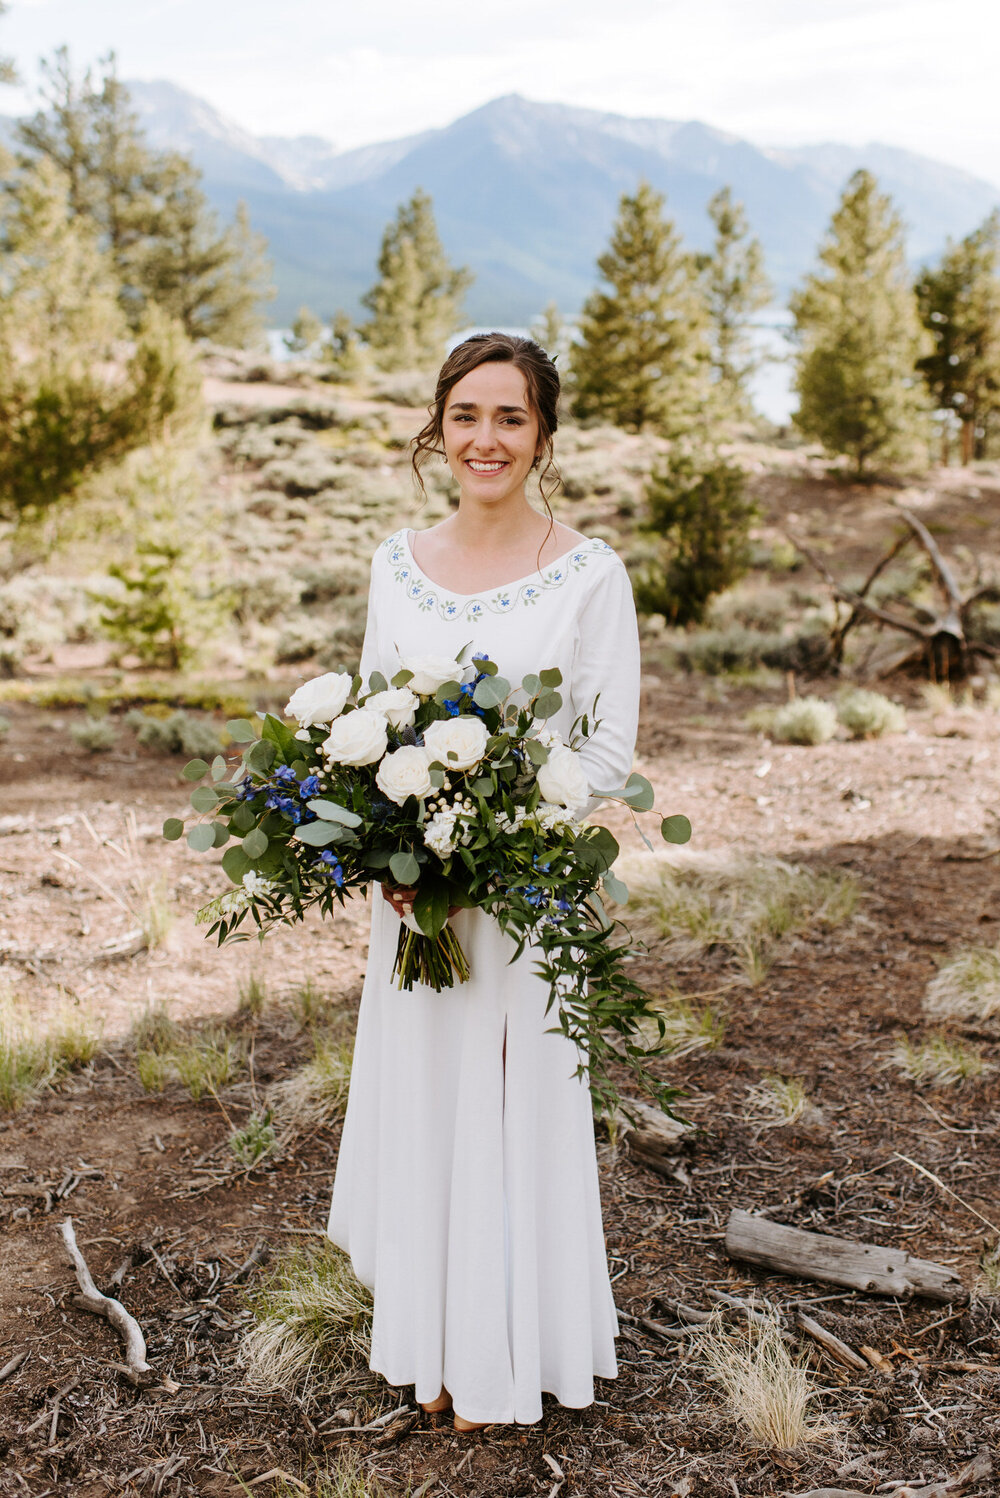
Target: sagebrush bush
(96, 735)
(719, 652)
(300, 640)
(869, 715)
(807, 720)
(179, 733)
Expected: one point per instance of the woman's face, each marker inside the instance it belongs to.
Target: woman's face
(490, 432)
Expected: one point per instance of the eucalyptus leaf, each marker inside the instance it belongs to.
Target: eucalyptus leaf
(203, 798)
(676, 829)
(236, 864)
(262, 756)
(329, 811)
(615, 889)
(492, 691)
(401, 678)
(551, 678)
(377, 683)
(320, 834)
(536, 752)
(194, 769)
(404, 868)
(221, 834)
(218, 768)
(530, 684)
(243, 818)
(447, 692)
(256, 843)
(201, 837)
(548, 704)
(173, 828)
(241, 730)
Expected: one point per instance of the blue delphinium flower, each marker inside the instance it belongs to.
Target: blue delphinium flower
(453, 706)
(309, 787)
(246, 789)
(285, 775)
(329, 864)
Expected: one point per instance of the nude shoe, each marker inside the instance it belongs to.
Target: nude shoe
(464, 1426)
(435, 1407)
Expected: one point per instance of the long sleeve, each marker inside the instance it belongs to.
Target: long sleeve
(369, 649)
(606, 662)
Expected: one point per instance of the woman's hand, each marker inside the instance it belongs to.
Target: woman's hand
(401, 898)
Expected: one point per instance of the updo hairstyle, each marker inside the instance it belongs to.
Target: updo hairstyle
(541, 378)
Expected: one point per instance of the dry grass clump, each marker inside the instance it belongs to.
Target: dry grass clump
(807, 720)
(349, 1479)
(869, 715)
(316, 1094)
(203, 1064)
(775, 1101)
(34, 1055)
(938, 1061)
(743, 906)
(768, 1393)
(312, 1325)
(988, 1282)
(966, 986)
(686, 1028)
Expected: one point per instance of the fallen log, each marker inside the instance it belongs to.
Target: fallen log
(652, 1136)
(838, 1261)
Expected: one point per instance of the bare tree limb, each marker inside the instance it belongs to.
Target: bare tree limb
(138, 1369)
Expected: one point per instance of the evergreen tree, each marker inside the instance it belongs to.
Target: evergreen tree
(697, 507)
(76, 392)
(416, 304)
(860, 337)
(642, 356)
(551, 333)
(343, 348)
(735, 286)
(149, 208)
(8, 72)
(960, 308)
(305, 334)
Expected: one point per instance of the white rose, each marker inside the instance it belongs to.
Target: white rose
(404, 773)
(549, 739)
(359, 738)
(561, 779)
(430, 672)
(319, 700)
(458, 743)
(398, 704)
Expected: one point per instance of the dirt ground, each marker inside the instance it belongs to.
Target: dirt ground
(142, 1175)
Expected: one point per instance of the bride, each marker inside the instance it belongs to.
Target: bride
(466, 1190)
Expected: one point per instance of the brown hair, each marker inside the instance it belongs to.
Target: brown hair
(540, 376)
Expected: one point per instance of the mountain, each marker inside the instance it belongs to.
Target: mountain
(525, 194)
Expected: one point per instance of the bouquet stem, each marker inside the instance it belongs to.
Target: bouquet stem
(438, 962)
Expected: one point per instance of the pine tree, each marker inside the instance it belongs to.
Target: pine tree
(416, 304)
(149, 208)
(76, 392)
(642, 356)
(860, 337)
(960, 308)
(305, 334)
(551, 333)
(735, 286)
(8, 72)
(344, 353)
(697, 507)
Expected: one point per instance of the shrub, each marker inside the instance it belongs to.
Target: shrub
(869, 715)
(180, 733)
(718, 652)
(94, 734)
(807, 720)
(299, 641)
(697, 505)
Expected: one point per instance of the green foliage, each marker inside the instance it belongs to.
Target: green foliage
(178, 733)
(859, 338)
(642, 359)
(416, 303)
(35, 1053)
(734, 286)
(344, 355)
(698, 508)
(960, 307)
(96, 735)
(807, 720)
(255, 1140)
(306, 333)
(551, 333)
(156, 616)
(869, 715)
(163, 240)
(75, 393)
(8, 72)
(938, 1060)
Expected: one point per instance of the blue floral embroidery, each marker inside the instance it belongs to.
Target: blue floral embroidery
(424, 593)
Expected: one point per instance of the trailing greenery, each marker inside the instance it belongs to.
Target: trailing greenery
(416, 303)
(642, 359)
(697, 506)
(859, 338)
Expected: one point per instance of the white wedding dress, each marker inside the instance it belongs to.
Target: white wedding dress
(466, 1190)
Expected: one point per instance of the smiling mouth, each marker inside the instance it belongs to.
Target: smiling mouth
(478, 467)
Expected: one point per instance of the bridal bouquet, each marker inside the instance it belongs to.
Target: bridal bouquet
(447, 781)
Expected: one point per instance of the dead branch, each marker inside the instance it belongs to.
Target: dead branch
(138, 1370)
(838, 1261)
(944, 573)
(972, 1473)
(10, 1368)
(831, 1344)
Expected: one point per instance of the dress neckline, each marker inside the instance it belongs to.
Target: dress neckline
(538, 572)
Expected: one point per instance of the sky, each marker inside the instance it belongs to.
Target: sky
(910, 73)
